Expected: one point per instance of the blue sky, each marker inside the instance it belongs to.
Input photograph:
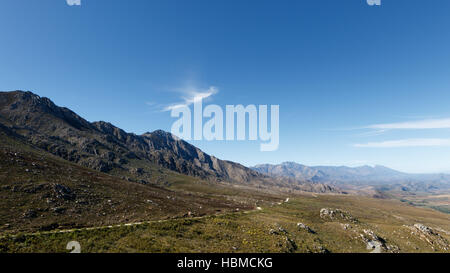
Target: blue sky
(356, 84)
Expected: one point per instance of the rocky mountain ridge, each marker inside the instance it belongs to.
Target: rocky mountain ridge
(107, 148)
(378, 176)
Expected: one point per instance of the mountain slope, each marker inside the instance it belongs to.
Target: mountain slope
(104, 147)
(40, 191)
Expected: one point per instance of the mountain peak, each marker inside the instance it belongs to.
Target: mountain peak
(158, 132)
(19, 95)
(26, 109)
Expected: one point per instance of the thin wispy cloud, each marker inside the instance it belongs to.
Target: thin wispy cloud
(424, 124)
(191, 96)
(73, 2)
(371, 133)
(412, 142)
(381, 128)
(418, 125)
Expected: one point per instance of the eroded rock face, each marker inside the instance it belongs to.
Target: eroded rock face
(336, 214)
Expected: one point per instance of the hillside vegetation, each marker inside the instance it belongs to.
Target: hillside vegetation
(352, 224)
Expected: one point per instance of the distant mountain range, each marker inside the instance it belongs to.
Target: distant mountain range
(104, 147)
(379, 176)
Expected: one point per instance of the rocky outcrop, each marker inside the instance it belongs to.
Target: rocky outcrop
(425, 230)
(431, 236)
(336, 214)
